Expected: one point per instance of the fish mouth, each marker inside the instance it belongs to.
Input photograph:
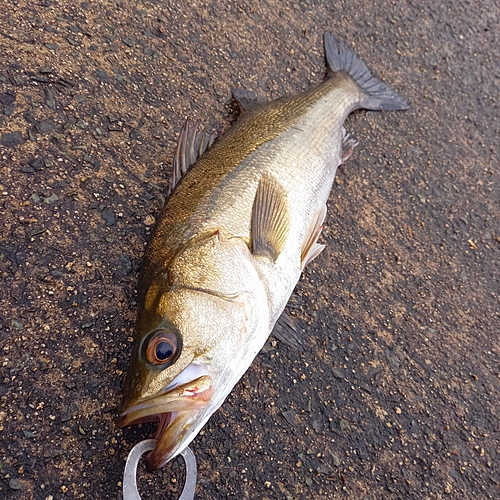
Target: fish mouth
(175, 409)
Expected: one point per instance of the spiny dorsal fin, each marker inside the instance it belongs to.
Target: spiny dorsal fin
(348, 144)
(270, 218)
(192, 143)
(247, 100)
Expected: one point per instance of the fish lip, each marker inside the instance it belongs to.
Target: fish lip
(194, 394)
(174, 408)
(171, 431)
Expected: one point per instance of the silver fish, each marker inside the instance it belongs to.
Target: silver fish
(240, 224)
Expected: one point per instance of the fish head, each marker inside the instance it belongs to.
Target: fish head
(194, 337)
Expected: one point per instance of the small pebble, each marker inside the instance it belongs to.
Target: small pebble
(15, 484)
(149, 220)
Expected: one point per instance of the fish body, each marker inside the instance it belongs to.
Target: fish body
(240, 224)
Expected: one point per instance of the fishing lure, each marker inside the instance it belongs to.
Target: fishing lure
(130, 491)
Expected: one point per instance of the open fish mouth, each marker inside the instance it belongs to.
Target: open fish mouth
(175, 409)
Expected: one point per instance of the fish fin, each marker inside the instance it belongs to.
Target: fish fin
(348, 145)
(192, 143)
(286, 331)
(311, 248)
(376, 94)
(247, 100)
(270, 223)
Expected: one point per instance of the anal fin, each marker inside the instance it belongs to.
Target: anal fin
(270, 223)
(347, 146)
(311, 248)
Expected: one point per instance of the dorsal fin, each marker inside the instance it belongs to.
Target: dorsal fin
(347, 146)
(192, 143)
(247, 100)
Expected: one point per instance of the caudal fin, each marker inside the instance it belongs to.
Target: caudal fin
(377, 95)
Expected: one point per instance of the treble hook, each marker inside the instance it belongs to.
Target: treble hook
(130, 491)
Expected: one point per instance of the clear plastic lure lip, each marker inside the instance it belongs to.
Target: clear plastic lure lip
(130, 491)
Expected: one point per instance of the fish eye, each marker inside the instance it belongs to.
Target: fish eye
(163, 348)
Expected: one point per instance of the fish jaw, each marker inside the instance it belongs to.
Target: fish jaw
(175, 408)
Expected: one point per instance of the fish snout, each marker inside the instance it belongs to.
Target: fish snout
(176, 409)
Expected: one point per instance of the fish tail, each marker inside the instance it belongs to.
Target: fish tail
(376, 95)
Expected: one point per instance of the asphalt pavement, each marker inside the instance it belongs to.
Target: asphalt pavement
(395, 393)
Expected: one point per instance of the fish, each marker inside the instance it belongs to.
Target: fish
(242, 220)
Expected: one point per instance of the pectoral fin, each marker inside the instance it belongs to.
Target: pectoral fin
(270, 218)
(311, 248)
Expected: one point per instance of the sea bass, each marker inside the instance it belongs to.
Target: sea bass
(241, 222)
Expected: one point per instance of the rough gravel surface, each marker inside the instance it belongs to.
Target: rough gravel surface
(396, 393)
